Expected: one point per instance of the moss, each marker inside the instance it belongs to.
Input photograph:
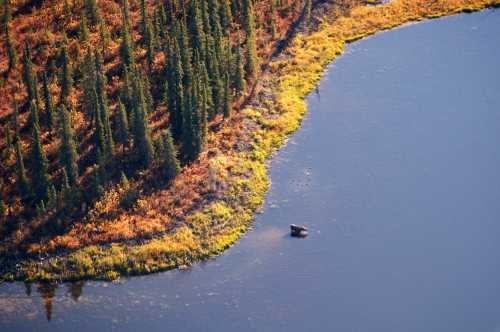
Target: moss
(215, 227)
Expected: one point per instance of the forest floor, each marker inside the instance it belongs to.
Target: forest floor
(236, 158)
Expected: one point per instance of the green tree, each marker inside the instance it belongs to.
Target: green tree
(307, 11)
(122, 128)
(170, 164)
(49, 103)
(67, 75)
(228, 98)
(28, 76)
(126, 49)
(38, 167)
(21, 178)
(103, 105)
(67, 149)
(250, 41)
(239, 74)
(143, 147)
(34, 118)
(225, 14)
(84, 30)
(91, 11)
(11, 52)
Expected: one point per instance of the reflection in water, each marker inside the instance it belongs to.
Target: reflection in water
(27, 288)
(75, 289)
(47, 291)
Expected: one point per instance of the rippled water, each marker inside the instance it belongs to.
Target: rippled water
(396, 173)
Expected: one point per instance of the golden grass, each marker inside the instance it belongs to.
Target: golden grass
(241, 180)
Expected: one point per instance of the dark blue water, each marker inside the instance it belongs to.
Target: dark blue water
(396, 171)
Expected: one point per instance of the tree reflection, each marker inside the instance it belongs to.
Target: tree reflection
(75, 289)
(27, 288)
(47, 291)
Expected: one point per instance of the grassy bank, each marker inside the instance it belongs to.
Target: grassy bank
(239, 180)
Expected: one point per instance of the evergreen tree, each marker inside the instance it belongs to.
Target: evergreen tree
(171, 165)
(126, 49)
(34, 119)
(67, 8)
(91, 11)
(7, 12)
(228, 98)
(216, 83)
(67, 148)
(307, 11)
(250, 41)
(99, 132)
(67, 76)
(11, 52)
(197, 35)
(103, 105)
(38, 167)
(49, 103)
(122, 128)
(8, 141)
(84, 30)
(88, 83)
(149, 39)
(177, 96)
(143, 147)
(21, 178)
(239, 75)
(4, 211)
(96, 187)
(28, 76)
(225, 14)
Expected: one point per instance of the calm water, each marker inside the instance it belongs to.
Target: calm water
(396, 171)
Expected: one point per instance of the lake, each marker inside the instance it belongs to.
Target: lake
(395, 171)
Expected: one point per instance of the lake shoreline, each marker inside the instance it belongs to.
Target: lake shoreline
(276, 112)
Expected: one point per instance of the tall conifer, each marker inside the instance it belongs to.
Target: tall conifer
(67, 148)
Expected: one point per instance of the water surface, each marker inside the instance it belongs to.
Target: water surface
(396, 171)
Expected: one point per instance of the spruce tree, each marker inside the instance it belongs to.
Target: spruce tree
(225, 14)
(126, 48)
(250, 41)
(11, 52)
(103, 105)
(38, 167)
(197, 35)
(228, 98)
(67, 76)
(307, 11)
(49, 103)
(21, 178)
(177, 96)
(4, 209)
(143, 146)
(122, 128)
(84, 30)
(216, 83)
(28, 76)
(88, 83)
(67, 8)
(171, 165)
(67, 149)
(34, 118)
(7, 12)
(239, 75)
(91, 11)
